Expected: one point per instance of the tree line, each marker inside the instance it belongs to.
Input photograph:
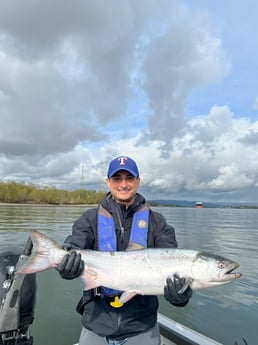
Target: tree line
(13, 192)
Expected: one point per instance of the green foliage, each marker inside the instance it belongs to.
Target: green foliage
(12, 192)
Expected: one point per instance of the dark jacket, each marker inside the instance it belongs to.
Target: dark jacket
(140, 313)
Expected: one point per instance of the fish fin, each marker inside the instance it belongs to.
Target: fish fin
(127, 295)
(188, 282)
(134, 246)
(89, 278)
(40, 258)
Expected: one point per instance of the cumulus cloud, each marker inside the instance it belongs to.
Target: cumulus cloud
(83, 83)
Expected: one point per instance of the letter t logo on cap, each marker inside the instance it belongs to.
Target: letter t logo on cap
(122, 160)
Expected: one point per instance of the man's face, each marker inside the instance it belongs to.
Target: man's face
(123, 186)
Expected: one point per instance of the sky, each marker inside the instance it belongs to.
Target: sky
(171, 84)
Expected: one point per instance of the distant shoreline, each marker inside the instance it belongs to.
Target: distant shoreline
(152, 204)
(43, 204)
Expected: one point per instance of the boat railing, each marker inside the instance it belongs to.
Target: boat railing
(179, 334)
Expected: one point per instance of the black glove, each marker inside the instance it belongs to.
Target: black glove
(171, 291)
(71, 265)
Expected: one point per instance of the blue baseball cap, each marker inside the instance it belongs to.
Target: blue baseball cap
(123, 163)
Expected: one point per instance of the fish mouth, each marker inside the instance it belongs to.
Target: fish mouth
(230, 273)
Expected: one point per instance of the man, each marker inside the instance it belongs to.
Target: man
(122, 217)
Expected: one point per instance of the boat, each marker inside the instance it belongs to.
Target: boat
(175, 333)
(198, 204)
(17, 297)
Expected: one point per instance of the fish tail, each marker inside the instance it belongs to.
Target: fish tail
(44, 255)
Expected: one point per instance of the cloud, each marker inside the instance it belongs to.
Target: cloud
(72, 77)
(255, 105)
(66, 79)
(82, 84)
(201, 162)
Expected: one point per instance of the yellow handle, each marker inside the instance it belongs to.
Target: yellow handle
(116, 303)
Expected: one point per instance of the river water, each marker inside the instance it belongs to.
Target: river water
(226, 313)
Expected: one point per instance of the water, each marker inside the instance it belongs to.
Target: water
(230, 312)
(227, 313)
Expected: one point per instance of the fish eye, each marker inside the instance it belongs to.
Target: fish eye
(221, 265)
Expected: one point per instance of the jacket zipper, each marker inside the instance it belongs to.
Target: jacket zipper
(120, 225)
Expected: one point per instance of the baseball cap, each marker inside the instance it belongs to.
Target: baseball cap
(123, 163)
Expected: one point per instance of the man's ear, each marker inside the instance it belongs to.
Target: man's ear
(108, 181)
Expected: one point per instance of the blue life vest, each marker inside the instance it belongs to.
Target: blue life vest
(107, 240)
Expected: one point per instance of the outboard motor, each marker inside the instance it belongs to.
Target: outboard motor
(17, 298)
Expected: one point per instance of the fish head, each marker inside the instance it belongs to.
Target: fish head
(211, 270)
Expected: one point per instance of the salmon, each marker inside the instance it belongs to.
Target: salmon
(142, 271)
